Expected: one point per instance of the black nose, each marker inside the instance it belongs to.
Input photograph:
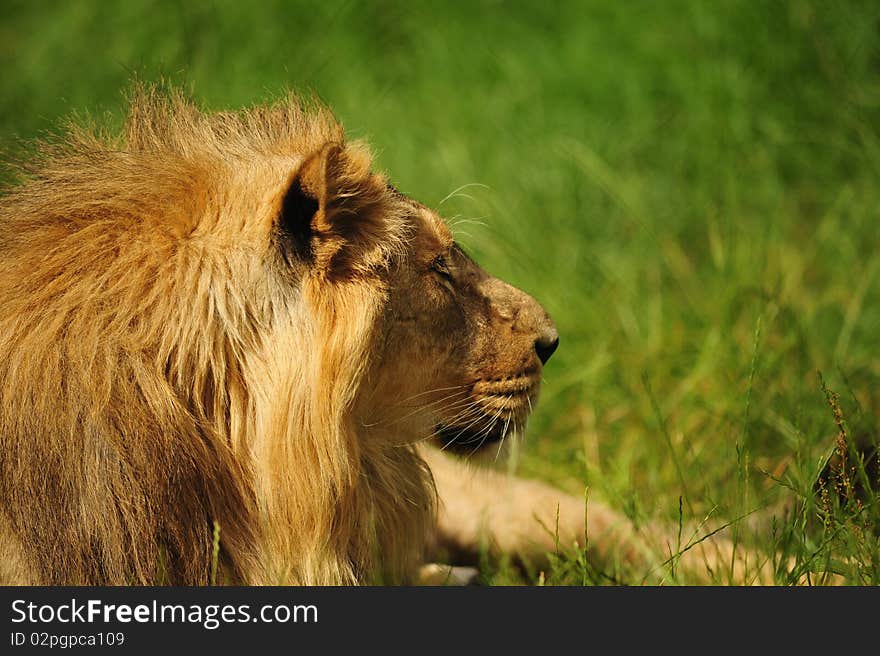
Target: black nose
(546, 344)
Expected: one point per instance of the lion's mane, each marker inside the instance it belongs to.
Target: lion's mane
(156, 394)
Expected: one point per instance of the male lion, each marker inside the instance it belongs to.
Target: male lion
(223, 341)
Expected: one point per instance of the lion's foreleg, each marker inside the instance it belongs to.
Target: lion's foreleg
(483, 510)
(488, 511)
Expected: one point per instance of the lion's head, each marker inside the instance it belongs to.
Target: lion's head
(461, 352)
(230, 322)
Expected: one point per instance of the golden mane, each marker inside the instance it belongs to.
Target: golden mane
(154, 383)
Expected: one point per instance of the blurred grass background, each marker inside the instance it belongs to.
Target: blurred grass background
(690, 188)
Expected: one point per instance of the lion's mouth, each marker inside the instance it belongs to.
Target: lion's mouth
(497, 408)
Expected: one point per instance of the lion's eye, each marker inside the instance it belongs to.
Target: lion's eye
(441, 268)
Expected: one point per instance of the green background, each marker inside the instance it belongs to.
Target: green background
(690, 188)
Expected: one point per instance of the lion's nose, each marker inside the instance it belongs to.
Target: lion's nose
(546, 344)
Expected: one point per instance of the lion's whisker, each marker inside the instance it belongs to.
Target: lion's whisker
(474, 220)
(418, 409)
(463, 409)
(483, 435)
(432, 391)
(462, 429)
(464, 413)
(456, 192)
(503, 437)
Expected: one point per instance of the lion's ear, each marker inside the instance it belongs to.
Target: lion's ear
(331, 212)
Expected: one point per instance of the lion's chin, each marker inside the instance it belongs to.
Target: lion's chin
(468, 441)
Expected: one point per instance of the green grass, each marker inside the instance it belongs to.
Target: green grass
(690, 188)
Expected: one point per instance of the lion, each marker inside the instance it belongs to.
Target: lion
(232, 352)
